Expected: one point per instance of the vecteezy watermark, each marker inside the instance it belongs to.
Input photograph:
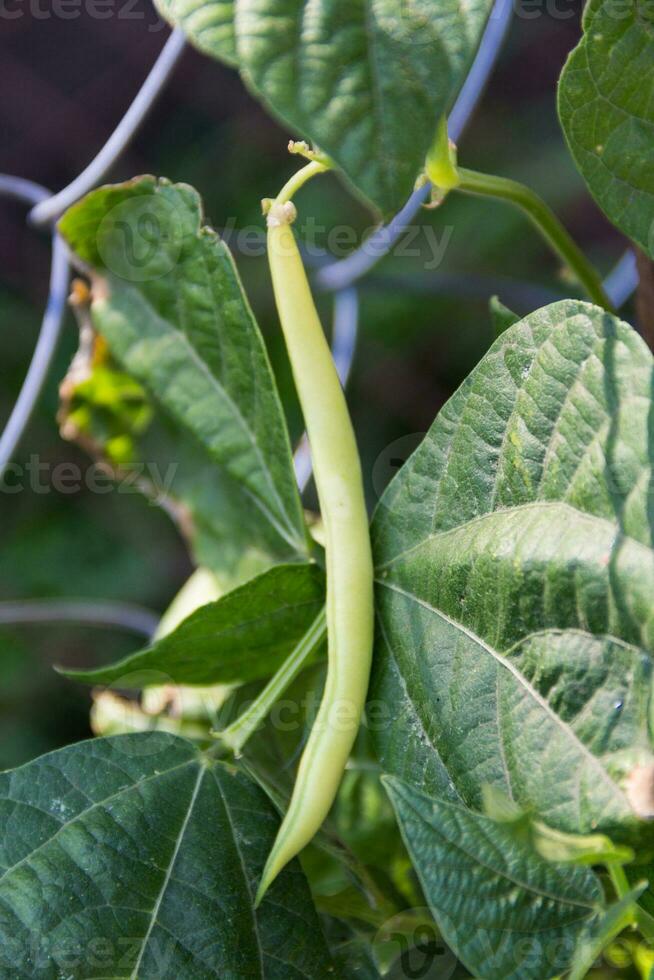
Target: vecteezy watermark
(68, 478)
(40, 10)
(411, 948)
(410, 23)
(73, 957)
(142, 238)
(415, 241)
(414, 946)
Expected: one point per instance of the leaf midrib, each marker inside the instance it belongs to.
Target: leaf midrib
(530, 690)
(169, 870)
(560, 505)
(99, 804)
(169, 648)
(255, 921)
(285, 529)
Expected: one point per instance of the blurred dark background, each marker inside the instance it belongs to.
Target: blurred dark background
(65, 85)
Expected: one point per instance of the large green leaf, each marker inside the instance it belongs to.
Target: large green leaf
(606, 106)
(138, 857)
(367, 79)
(244, 636)
(516, 580)
(503, 909)
(167, 298)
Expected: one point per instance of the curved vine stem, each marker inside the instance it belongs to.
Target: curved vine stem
(544, 219)
(293, 185)
(237, 734)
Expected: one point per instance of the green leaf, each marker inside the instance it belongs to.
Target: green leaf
(636, 873)
(504, 910)
(137, 856)
(271, 753)
(244, 636)
(168, 300)
(355, 961)
(501, 316)
(352, 952)
(590, 849)
(553, 845)
(644, 961)
(143, 450)
(606, 107)
(366, 81)
(598, 934)
(516, 582)
(365, 820)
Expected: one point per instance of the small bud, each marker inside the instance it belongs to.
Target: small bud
(301, 148)
(281, 214)
(266, 204)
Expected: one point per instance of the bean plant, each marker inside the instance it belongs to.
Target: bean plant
(466, 787)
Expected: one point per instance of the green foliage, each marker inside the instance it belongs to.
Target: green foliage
(501, 316)
(553, 845)
(362, 80)
(243, 636)
(139, 856)
(514, 565)
(515, 574)
(606, 106)
(599, 933)
(110, 407)
(503, 909)
(143, 449)
(167, 299)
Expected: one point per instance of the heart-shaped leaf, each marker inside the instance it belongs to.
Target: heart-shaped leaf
(168, 300)
(367, 80)
(516, 581)
(503, 909)
(138, 857)
(606, 106)
(243, 636)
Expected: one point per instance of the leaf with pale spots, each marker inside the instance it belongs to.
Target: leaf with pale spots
(139, 857)
(515, 574)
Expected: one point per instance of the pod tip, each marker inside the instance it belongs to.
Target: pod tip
(270, 872)
(278, 858)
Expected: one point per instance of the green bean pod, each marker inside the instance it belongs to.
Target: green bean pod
(337, 471)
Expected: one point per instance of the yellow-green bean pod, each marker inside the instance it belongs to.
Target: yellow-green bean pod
(337, 471)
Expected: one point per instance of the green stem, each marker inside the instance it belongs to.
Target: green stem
(237, 734)
(544, 220)
(618, 879)
(298, 179)
(620, 883)
(440, 164)
(645, 924)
